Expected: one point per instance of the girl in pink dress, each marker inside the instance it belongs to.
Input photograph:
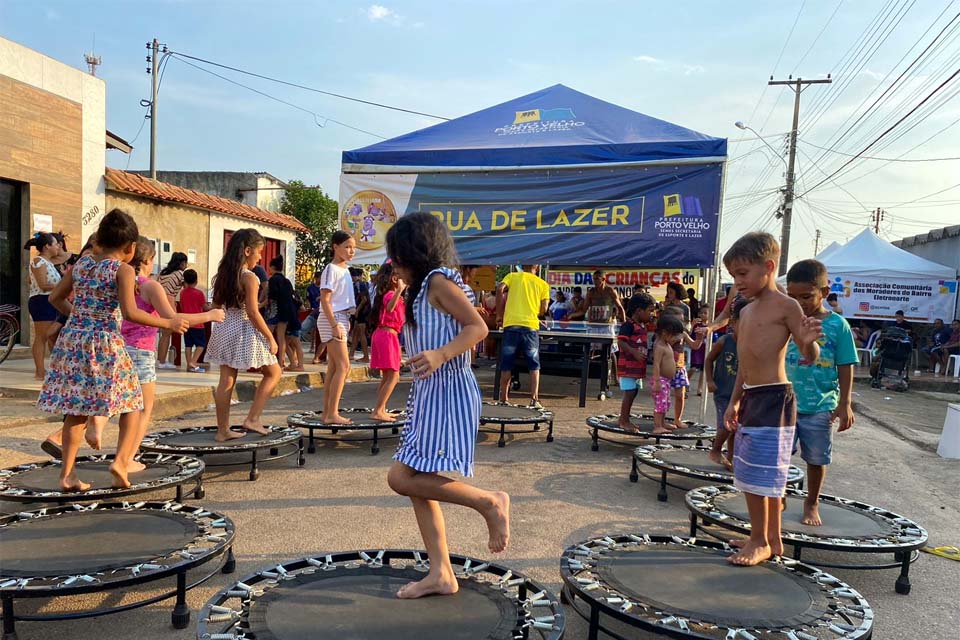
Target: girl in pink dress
(90, 372)
(388, 313)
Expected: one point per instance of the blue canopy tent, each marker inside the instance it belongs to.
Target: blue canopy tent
(556, 176)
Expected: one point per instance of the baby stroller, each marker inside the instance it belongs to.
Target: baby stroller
(893, 360)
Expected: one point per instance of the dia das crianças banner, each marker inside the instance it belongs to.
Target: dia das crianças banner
(623, 280)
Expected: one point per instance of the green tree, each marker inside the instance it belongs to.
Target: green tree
(320, 214)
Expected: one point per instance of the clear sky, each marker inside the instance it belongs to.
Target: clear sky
(700, 64)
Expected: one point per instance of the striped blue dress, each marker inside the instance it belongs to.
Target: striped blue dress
(444, 408)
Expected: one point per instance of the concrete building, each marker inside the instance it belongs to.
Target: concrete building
(196, 223)
(257, 189)
(939, 245)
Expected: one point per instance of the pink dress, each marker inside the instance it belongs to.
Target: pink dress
(385, 342)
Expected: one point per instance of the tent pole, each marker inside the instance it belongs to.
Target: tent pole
(706, 276)
(711, 274)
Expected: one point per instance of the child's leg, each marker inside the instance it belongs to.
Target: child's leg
(149, 391)
(364, 344)
(494, 506)
(774, 520)
(723, 435)
(39, 347)
(440, 580)
(94, 431)
(338, 365)
(127, 444)
(296, 352)
(163, 348)
(757, 548)
(388, 381)
(815, 436)
(72, 429)
(222, 396)
(271, 376)
(629, 395)
(679, 400)
(280, 335)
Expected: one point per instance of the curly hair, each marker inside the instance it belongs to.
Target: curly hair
(420, 243)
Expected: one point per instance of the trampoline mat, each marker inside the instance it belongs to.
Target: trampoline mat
(646, 427)
(90, 541)
(360, 417)
(46, 479)
(359, 604)
(204, 440)
(839, 521)
(508, 412)
(693, 459)
(701, 584)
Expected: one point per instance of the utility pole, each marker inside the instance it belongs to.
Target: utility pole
(876, 217)
(154, 48)
(816, 243)
(797, 85)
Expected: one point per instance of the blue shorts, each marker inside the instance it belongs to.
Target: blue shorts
(815, 437)
(630, 384)
(721, 404)
(194, 337)
(144, 363)
(680, 380)
(41, 310)
(523, 340)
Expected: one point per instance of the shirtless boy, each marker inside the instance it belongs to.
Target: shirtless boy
(762, 409)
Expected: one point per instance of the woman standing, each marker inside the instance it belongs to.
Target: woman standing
(171, 279)
(44, 276)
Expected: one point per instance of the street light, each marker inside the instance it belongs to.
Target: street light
(744, 127)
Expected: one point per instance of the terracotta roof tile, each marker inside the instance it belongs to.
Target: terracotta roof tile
(132, 183)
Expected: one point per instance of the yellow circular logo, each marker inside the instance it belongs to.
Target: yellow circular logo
(367, 216)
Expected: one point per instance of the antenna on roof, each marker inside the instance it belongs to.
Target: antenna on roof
(93, 61)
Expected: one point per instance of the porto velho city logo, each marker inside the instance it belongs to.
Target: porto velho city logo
(541, 121)
(682, 217)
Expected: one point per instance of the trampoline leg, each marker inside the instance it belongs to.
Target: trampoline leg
(595, 446)
(254, 471)
(198, 492)
(497, 376)
(662, 494)
(797, 552)
(502, 442)
(594, 622)
(311, 445)
(634, 476)
(693, 525)
(903, 581)
(274, 451)
(300, 459)
(394, 430)
(550, 431)
(584, 375)
(9, 632)
(181, 614)
(375, 449)
(179, 496)
(231, 564)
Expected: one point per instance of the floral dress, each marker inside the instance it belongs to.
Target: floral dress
(90, 373)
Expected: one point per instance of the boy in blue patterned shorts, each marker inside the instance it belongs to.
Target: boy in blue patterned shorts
(762, 409)
(823, 386)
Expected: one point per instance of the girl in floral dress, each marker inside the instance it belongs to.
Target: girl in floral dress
(90, 372)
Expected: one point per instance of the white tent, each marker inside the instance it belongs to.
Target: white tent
(828, 250)
(868, 255)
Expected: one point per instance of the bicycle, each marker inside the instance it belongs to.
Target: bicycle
(9, 329)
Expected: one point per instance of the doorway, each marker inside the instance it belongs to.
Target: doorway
(11, 215)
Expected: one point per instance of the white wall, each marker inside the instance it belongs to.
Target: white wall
(220, 223)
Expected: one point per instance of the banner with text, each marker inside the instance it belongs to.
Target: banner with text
(623, 217)
(623, 280)
(877, 298)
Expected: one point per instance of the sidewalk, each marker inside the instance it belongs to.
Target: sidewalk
(178, 392)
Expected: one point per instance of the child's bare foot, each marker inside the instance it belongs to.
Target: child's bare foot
(429, 586)
(72, 484)
(229, 434)
(659, 431)
(677, 424)
(296, 368)
(383, 416)
(811, 514)
(719, 458)
(256, 427)
(498, 521)
(39, 376)
(119, 473)
(629, 427)
(136, 467)
(776, 547)
(751, 554)
(335, 419)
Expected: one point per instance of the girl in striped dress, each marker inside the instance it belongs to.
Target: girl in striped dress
(444, 403)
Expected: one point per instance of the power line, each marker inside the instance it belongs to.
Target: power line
(316, 116)
(817, 39)
(306, 88)
(850, 155)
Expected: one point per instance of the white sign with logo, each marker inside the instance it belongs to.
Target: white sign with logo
(877, 298)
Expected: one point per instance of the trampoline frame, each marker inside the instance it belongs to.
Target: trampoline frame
(577, 569)
(213, 541)
(595, 426)
(285, 442)
(515, 586)
(302, 421)
(190, 470)
(904, 546)
(646, 455)
(540, 417)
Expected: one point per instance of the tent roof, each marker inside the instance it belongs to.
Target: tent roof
(828, 250)
(869, 255)
(556, 126)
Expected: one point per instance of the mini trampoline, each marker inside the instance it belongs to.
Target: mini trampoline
(362, 429)
(112, 546)
(352, 596)
(515, 416)
(607, 428)
(689, 461)
(40, 481)
(685, 588)
(848, 526)
(199, 441)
